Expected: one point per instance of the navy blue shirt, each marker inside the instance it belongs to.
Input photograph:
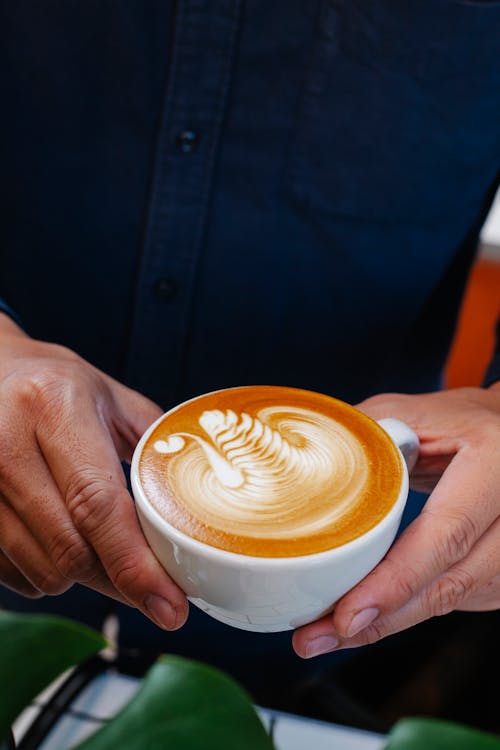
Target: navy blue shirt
(234, 193)
(211, 193)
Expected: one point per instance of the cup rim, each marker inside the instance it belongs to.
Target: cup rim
(226, 556)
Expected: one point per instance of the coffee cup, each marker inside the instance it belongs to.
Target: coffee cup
(267, 504)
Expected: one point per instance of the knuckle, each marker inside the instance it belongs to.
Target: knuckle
(36, 387)
(72, 557)
(406, 586)
(373, 633)
(56, 390)
(44, 391)
(404, 581)
(450, 591)
(90, 500)
(458, 535)
(48, 383)
(126, 572)
(16, 386)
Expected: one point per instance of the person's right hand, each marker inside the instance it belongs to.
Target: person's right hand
(65, 513)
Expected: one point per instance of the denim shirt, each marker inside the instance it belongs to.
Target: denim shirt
(231, 193)
(211, 193)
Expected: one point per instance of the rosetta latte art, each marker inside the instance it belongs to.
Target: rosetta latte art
(283, 473)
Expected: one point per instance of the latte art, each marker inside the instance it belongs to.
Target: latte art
(257, 474)
(261, 472)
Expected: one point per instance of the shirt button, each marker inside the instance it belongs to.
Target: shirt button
(165, 289)
(187, 140)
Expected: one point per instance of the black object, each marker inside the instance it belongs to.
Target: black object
(129, 662)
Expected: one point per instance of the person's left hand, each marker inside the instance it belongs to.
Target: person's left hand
(449, 557)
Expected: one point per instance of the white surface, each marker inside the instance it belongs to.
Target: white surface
(106, 695)
(110, 691)
(296, 733)
(68, 732)
(490, 233)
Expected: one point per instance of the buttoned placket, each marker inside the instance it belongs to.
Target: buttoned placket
(195, 103)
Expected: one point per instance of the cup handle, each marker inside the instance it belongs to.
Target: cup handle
(404, 437)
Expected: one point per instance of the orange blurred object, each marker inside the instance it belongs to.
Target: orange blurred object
(475, 336)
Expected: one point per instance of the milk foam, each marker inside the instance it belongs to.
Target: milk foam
(285, 472)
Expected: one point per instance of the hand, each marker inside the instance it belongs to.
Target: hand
(65, 513)
(449, 557)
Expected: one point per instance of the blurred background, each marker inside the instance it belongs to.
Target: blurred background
(474, 339)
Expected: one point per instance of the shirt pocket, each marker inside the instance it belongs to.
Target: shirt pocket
(400, 111)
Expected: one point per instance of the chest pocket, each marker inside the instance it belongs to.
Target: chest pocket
(400, 112)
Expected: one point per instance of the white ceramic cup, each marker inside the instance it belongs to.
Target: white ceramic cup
(262, 594)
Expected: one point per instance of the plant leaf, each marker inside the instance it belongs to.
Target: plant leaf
(435, 734)
(184, 705)
(34, 650)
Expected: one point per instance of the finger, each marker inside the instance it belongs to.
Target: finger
(442, 535)
(438, 444)
(13, 579)
(29, 555)
(323, 638)
(26, 570)
(23, 551)
(435, 452)
(85, 466)
(46, 517)
(319, 637)
(398, 405)
(29, 488)
(467, 581)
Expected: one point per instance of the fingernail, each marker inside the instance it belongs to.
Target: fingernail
(321, 645)
(361, 621)
(161, 611)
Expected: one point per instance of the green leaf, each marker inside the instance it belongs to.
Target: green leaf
(184, 705)
(435, 734)
(34, 650)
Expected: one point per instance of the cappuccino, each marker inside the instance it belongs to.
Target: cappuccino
(270, 471)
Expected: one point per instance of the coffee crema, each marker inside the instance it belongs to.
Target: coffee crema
(270, 471)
